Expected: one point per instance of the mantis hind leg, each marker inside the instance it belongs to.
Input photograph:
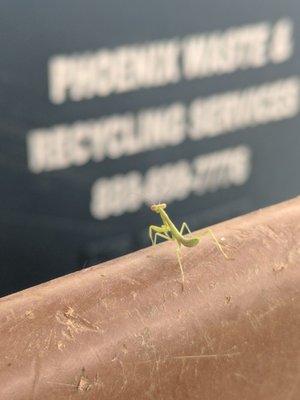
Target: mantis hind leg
(218, 244)
(180, 266)
(184, 225)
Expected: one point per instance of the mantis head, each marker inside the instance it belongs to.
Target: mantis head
(157, 207)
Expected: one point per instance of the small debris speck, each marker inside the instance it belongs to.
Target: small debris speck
(84, 384)
(29, 314)
(279, 267)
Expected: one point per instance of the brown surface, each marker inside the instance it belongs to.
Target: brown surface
(127, 331)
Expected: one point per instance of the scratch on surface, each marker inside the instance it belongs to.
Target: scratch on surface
(48, 340)
(271, 232)
(209, 341)
(194, 357)
(244, 378)
(74, 323)
(62, 384)
(255, 319)
(124, 375)
(137, 311)
(36, 376)
(226, 355)
(239, 375)
(182, 369)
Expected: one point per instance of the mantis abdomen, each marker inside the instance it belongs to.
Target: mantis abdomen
(189, 242)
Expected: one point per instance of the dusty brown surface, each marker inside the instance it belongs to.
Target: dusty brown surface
(126, 330)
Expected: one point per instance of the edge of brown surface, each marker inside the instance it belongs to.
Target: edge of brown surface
(125, 330)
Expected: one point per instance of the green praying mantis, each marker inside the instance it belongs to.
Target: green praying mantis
(169, 231)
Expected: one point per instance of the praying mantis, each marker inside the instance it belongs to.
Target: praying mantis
(169, 231)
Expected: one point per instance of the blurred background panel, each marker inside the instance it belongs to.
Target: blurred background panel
(109, 106)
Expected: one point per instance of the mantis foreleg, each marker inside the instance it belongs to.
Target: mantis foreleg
(160, 235)
(161, 231)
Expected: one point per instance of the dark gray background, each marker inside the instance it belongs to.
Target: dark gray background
(46, 227)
